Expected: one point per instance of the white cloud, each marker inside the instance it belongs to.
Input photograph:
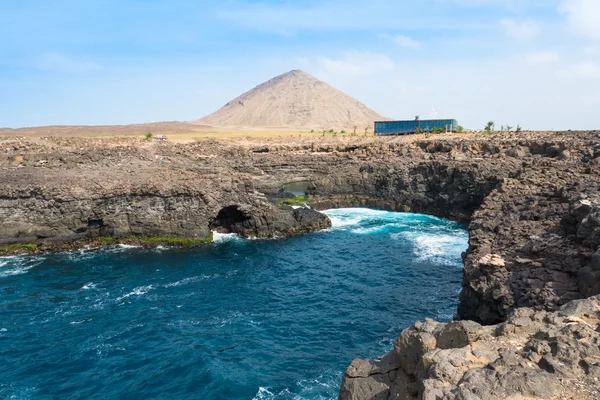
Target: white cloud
(358, 63)
(60, 63)
(542, 57)
(523, 29)
(585, 70)
(406, 42)
(583, 16)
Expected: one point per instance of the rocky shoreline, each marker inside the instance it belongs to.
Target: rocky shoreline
(532, 202)
(532, 355)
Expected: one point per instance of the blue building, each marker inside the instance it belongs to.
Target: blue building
(383, 128)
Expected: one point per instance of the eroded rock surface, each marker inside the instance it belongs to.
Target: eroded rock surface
(532, 355)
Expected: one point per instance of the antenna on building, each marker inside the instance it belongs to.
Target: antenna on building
(434, 114)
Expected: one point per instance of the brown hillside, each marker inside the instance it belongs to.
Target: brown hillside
(293, 100)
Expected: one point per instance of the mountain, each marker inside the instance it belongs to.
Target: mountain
(294, 100)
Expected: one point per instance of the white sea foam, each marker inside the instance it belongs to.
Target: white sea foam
(3, 330)
(372, 229)
(88, 286)
(138, 291)
(17, 265)
(128, 246)
(319, 387)
(14, 271)
(263, 394)
(442, 246)
(224, 237)
(5, 260)
(339, 222)
(352, 219)
(187, 280)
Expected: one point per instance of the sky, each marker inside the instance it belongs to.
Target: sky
(533, 63)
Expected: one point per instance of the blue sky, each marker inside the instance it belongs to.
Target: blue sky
(530, 62)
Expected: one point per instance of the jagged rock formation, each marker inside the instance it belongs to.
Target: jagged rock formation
(294, 100)
(532, 355)
(56, 195)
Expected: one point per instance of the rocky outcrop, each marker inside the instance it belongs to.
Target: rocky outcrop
(528, 243)
(78, 194)
(50, 217)
(532, 355)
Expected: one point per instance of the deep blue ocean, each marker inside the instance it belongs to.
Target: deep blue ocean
(236, 319)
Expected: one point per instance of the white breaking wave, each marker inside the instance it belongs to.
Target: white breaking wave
(14, 271)
(88, 286)
(441, 246)
(17, 265)
(365, 221)
(128, 246)
(347, 217)
(6, 260)
(432, 238)
(263, 394)
(225, 237)
(187, 280)
(138, 291)
(316, 388)
(376, 229)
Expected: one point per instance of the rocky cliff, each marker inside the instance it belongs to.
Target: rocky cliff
(532, 355)
(54, 195)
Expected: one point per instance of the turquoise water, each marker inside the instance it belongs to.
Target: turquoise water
(238, 319)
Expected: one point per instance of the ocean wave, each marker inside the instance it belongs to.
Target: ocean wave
(18, 265)
(225, 237)
(138, 291)
(188, 280)
(347, 217)
(364, 221)
(440, 246)
(6, 259)
(88, 286)
(14, 271)
(264, 394)
(318, 388)
(378, 228)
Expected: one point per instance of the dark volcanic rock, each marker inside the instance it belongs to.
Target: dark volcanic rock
(532, 355)
(269, 221)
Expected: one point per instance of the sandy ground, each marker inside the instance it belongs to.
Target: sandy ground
(185, 132)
